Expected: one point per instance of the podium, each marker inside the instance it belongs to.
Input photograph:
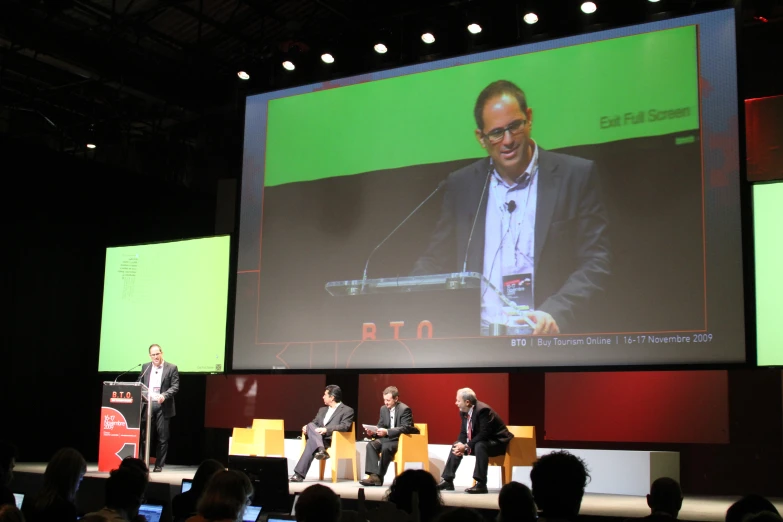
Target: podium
(384, 285)
(459, 306)
(120, 423)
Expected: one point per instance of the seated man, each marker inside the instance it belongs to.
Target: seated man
(334, 416)
(483, 434)
(396, 419)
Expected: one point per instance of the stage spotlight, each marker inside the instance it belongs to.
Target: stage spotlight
(91, 146)
(654, 1)
(380, 48)
(474, 28)
(327, 58)
(428, 38)
(530, 18)
(243, 75)
(288, 65)
(589, 7)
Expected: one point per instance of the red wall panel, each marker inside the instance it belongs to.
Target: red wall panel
(675, 406)
(432, 397)
(235, 400)
(764, 138)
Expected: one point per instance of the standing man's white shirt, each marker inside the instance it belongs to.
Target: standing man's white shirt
(509, 236)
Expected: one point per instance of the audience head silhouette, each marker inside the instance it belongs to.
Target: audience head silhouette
(421, 482)
(7, 462)
(227, 494)
(134, 463)
(125, 490)
(749, 505)
(205, 472)
(764, 516)
(318, 503)
(10, 513)
(559, 481)
(516, 503)
(460, 515)
(665, 497)
(63, 475)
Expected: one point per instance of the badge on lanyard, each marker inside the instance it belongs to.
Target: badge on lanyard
(519, 288)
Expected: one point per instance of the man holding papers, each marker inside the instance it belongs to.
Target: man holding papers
(396, 419)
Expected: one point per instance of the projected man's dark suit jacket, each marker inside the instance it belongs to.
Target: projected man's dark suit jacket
(571, 251)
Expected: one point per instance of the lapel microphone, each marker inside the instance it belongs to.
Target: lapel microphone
(511, 206)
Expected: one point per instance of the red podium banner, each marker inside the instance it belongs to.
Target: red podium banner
(120, 423)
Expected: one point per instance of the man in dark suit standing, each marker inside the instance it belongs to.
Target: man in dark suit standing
(532, 222)
(396, 419)
(483, 434)
(162, 378)
(334, 416)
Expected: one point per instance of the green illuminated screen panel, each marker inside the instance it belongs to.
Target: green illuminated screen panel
(171, 294)
(767, 222)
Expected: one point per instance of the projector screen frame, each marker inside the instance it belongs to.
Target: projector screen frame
(747, 278)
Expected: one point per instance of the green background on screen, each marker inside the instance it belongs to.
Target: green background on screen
(768, 232)
(172, 294)
(427, 117)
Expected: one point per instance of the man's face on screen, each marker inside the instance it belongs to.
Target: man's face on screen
(156, 355)
(512, 152)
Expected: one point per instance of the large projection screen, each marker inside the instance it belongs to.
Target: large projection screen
(630, 243)
(173, 294)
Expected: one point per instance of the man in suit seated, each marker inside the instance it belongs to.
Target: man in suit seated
(396, 419)
(483, 434)
(334, 416)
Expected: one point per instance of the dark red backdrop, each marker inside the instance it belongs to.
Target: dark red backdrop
(663, 407)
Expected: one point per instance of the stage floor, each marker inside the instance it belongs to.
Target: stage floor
(708, 509)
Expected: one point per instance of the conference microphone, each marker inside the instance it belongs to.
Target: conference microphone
(511, 206)
(440, 185)
(475, 217)
(126, 371)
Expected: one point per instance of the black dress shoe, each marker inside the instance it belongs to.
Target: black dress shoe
(479, 488)
(321, 455)
(446, 485)
(157, 469)
(296, 478)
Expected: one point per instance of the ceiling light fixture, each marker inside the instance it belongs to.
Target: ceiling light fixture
(91, 146)
(243, 75)
(380, 48)
(589, 7)
(327, 58)
(428, 38)
(288, 65)
(530, 18)
(474, 28)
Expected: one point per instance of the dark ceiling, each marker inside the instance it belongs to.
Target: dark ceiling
(153, 82)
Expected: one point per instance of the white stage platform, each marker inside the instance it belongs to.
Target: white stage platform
(612, 472)
(700, 509)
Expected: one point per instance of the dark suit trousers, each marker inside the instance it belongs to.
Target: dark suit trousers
(384, 448)
(160, 426)
(483, 451)
(314, 442)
